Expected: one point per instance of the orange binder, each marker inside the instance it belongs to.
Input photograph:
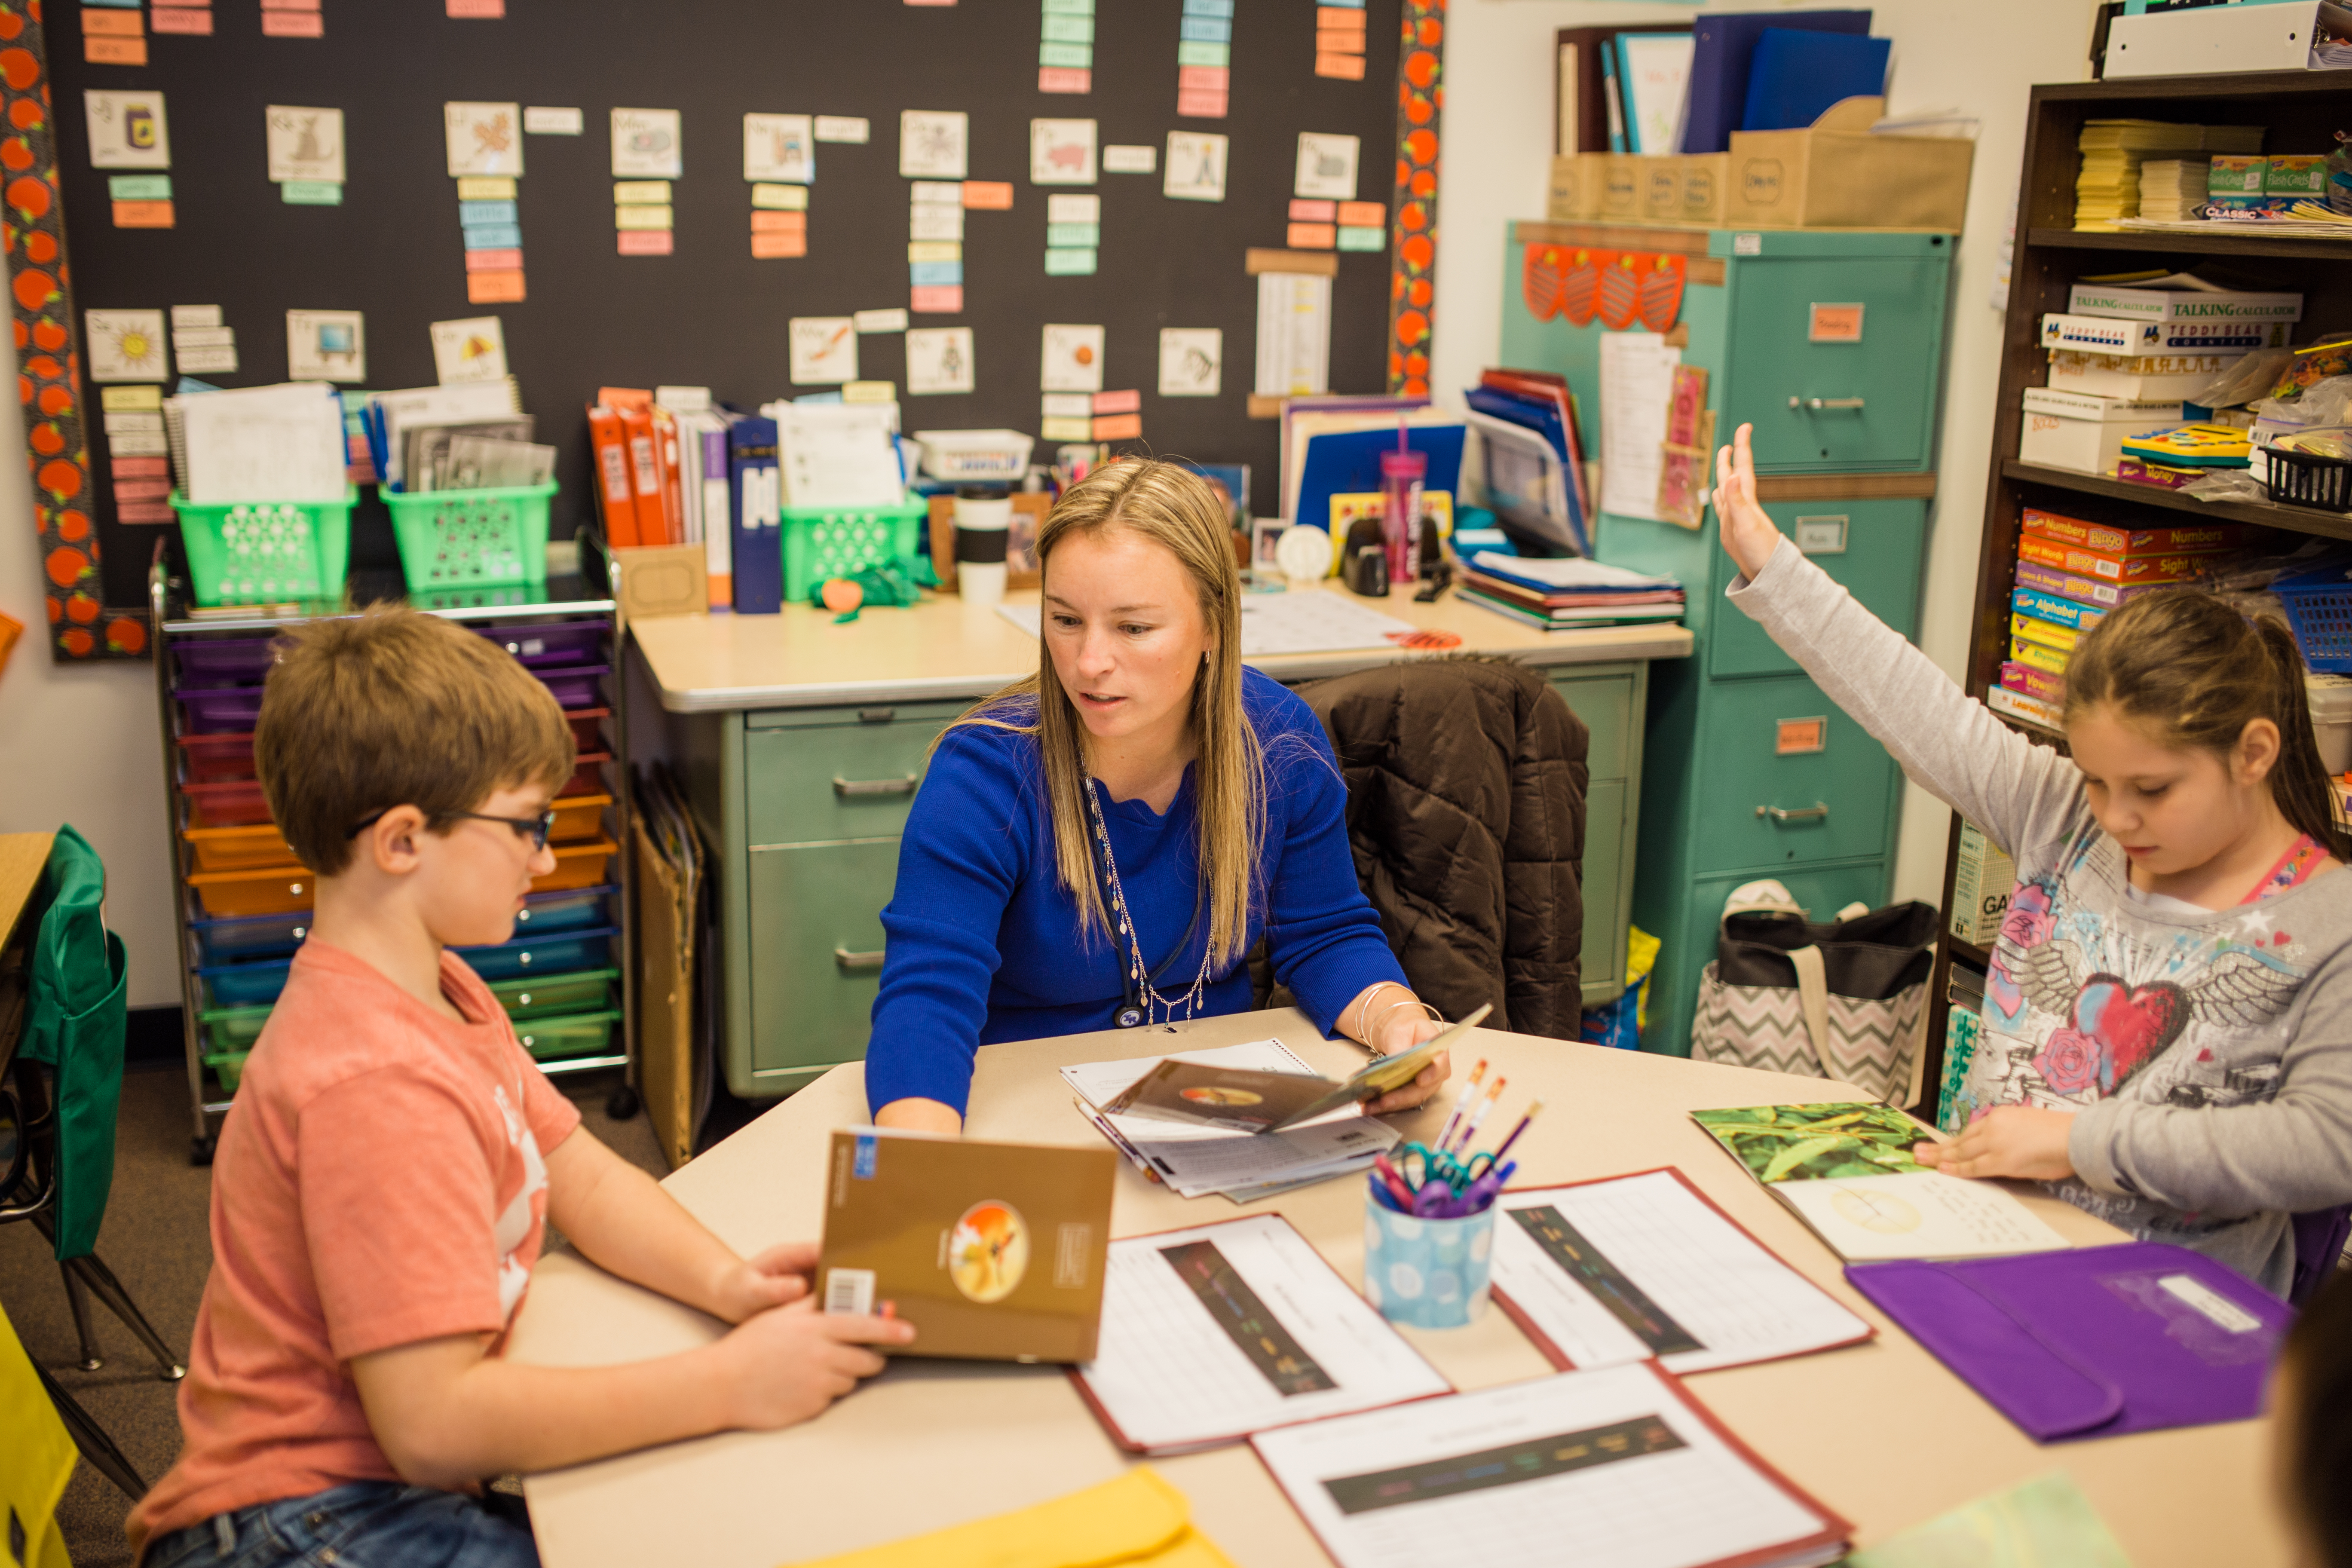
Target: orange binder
(645, 471)
(673, 487)
(613, 485)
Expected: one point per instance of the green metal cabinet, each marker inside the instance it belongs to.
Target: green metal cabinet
(807, 805)
(1831, 345)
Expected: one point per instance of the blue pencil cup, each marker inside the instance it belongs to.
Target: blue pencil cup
(1429, 1273)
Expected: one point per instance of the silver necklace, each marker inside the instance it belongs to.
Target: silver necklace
(1131, 1015)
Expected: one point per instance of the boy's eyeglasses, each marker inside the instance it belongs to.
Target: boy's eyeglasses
(534, 828)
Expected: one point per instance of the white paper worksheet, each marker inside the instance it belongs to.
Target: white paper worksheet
(1916, 1214)
(1602, 1273)
(1637, 385)
(1214, 1333)
(1611, 1468)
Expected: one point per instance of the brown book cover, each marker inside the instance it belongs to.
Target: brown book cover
(994, 1251)
(1244, 1100)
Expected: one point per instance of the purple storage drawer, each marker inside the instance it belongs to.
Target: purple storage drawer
(222, 661)
(219, 708)
(575, 685)
(551, 643)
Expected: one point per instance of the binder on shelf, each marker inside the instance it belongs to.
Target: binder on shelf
(758, 515)
(1722, 55)
(614, 490)
(1582, 116)
(1798, 76)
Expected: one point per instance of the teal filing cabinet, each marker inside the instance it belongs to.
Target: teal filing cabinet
(1832, 344)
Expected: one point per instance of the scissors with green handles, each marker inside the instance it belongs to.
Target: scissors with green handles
(1435, 1164)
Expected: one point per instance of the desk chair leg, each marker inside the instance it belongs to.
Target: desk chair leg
(78, 1299)
(90, 1271)
(89, 1438)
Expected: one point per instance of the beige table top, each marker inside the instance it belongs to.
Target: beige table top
(943, 649)
(22, 857)
(1879, 1432)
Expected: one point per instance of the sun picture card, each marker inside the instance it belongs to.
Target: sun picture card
(305, 144)
(1326, 165)
(933, 144)
(779, 147)
(1196, 166)
(1062, 152)
(482, 138)
(1072, 358)
(824, 350)
(326, 345)
(126, 345)
(648, 144)
(127, 130)
(474, 349)
(938, 361)
(1192, 361)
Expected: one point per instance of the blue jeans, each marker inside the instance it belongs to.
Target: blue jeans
(362, 1524)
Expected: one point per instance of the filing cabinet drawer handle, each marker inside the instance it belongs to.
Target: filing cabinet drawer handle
(856, 963)
(846, 788)
(1818, 403)
(1817, 812)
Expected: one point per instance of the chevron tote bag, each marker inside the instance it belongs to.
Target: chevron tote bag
(1844, 1001)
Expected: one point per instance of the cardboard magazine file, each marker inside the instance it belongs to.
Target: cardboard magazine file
(994, 1251)
(1836, 174)
(654, 580)
(1577, 182)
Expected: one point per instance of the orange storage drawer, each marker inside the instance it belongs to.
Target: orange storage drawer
(579, 817)
(239, 849)
(266, 891)
(576, 866)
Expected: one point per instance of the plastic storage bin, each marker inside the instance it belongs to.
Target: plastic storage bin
(266, 552)
(471, 539)
(576, 866)
(252, 936)
(239, 849)
(548, 995)
(256, 984)
(583, 722)
(974, 455)
(212, 759)
(233, 1028)
(562, 642)
(563, 912)
(231, 802)
(270, 890)
(223, 661)
(579, 1035)
(228, 1066)
(579, 817)
(586, 776)
(556, 954)
(220, 709)
(2308, 479)
(2320, 608)
(834, 541)
(574, 685)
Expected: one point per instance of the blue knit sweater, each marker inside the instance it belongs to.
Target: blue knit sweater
(984, 942)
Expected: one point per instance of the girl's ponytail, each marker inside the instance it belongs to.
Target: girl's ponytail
(2195, 670)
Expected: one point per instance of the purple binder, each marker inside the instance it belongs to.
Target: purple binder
(2092, 1342)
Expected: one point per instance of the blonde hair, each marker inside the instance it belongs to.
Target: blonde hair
(392, 708)
(1185, 515)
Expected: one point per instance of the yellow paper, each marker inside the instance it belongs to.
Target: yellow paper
(780, 198)
(486, 188)
(1138, 1519)
(640, 192)
(935, 251)
(130, 399)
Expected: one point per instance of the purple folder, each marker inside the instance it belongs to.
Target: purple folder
(2092, 1342)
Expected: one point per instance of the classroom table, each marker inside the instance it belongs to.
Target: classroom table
(23, 857)
(1879, 1432)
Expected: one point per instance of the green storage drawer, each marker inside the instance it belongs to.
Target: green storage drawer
(544, 995)
(234, 1029)
(1839, 796)
(816, 955)
(1872, 547)
(1838, 405)
(1605, 703)
(814, 782)
(1688, 950)
(570, 1035)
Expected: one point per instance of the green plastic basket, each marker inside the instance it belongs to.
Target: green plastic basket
(833, 542)
(228, 1066)
(267, 553)
(234, 1029)
(471, 539)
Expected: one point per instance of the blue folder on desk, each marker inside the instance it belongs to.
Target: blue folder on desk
(1347, 462)
(1545, 421)
(1723, 54)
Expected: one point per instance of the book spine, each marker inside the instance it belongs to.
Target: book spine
(1612, 96)
(2038, 684)
(613, 489)
(2119, 542)
(2036, 656)
(2055, 608)
(717, 516)
(2018, 705)
(2066, 585)
(759, 560)
(1982, 876)
(2059, 638)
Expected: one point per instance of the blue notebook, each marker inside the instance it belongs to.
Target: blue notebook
(1797, 76)
(1722, 56)
(757, 502)
(1349, 463)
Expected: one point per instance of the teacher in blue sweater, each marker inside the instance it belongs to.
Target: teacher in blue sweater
(1102, 843)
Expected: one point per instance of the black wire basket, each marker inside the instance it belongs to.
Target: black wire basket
(2309, 478)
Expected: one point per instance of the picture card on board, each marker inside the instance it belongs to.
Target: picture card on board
(305, 144)
(648, 143)
(483, 138)
(1073, 359)
(127, 130)
(1192, 361)
(939, 360)
(326, 345)
(474, 349)
(823, 351)
(933, 143)
(1062, 152)
(779, 147)
(126, 345)
(1196, 166)
(1327, 166)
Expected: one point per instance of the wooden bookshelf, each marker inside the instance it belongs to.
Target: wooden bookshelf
(2301, 112)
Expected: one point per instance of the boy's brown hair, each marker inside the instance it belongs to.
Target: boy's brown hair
(392, 708)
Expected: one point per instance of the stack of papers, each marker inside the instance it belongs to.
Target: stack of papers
(1195, 1162)
(2107, 188)
(838, 454)
(1568, 592)
(2173, 189)
(420, 422)
(277, 444)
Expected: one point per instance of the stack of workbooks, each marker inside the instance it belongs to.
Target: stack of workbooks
(2173, 188)
(2107, 187)
(2069, 573)
(415, 437)
(1567, 592)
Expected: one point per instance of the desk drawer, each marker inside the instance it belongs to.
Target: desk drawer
(814, 950)
(1877, 384)
(1605, 703)
(1872, 547)
(822, 782)
(1838, 797)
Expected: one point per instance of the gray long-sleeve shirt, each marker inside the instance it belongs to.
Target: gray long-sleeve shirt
(2207, 1053)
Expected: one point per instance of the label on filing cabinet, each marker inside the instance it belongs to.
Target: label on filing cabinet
(1836, 324)
(1793, 737)
(1821, 535)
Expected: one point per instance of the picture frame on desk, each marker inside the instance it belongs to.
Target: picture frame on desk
(1020, 569)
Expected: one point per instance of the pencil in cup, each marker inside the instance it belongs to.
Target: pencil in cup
(1427, 1273)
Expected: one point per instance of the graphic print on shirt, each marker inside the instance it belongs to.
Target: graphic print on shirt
(516, 1219)
(2075, 1014)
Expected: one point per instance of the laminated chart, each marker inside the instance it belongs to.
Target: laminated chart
(1065, 46)
(484, 148)
(779, 164)
(1205, 51)
(648, 152)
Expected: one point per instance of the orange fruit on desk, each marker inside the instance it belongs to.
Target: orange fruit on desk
(842, 596)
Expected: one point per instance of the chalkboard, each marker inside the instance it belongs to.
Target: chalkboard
(709, 314)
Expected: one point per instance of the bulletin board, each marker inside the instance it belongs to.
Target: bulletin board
(709, 313)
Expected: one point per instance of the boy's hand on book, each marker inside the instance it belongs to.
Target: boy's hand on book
(2020, 1140)
(1748, 535)
(776, 1278)
(790, 1364)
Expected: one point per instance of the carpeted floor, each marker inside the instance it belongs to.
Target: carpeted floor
(155, 1240)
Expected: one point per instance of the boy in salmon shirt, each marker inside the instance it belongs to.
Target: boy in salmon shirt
(384, 1183)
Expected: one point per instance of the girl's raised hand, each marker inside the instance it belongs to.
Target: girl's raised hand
(1747, 533)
